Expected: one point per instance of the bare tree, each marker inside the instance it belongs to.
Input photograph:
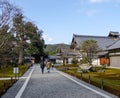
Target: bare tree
(7, 12)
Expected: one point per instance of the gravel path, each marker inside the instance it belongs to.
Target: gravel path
(56, 85)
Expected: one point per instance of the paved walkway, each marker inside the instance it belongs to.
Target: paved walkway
(55, 84)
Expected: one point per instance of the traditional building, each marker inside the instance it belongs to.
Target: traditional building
(114, 54)
(104, 43)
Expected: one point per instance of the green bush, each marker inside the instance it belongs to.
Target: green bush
(74, 61)
(84, 61)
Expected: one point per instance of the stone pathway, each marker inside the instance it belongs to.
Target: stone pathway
(55, 84)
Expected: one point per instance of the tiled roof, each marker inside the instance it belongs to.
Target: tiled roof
(102, 41)
(113, 33)
(54, 57)
(115, 45)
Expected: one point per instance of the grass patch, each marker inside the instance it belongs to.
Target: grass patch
(110, 78)
(8, 72)
(5, 84)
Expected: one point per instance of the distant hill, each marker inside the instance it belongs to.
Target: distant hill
(54, 47)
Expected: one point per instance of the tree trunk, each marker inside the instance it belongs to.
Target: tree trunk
(20, 60)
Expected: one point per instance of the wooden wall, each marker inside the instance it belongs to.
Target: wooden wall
(104, 60)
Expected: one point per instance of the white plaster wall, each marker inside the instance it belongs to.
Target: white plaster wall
(115, 61)
(96, 62)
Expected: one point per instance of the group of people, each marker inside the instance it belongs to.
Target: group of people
(46, 64)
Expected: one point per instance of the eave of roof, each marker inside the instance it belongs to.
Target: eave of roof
(102, 41)
(76, 35)
(115, 45)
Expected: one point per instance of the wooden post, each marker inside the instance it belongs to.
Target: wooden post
(89, 78)
(17, 76)
(4, 86)
(11, 80)
(102, 83)
(81, 76)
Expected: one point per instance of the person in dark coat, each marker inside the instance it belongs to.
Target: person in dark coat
(42, 65)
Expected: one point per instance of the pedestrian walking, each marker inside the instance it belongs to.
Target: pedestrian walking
(48, 65)
(32, 61)
(42, 65)
(52, 66)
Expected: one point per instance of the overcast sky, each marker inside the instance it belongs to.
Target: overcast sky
(60, 19)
